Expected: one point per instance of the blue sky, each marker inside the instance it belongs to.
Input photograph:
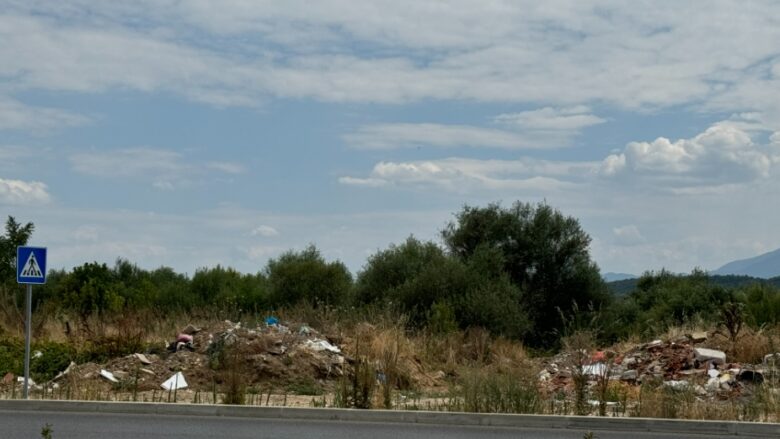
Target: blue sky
(196, 133)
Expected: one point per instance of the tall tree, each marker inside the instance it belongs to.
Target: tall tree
(16, 234)
(11, 295)
(305, 276)
(544, 253)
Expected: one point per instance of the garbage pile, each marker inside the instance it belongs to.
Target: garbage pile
(680, 364)
(197, 358)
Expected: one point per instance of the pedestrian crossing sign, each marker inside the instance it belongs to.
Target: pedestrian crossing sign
(31, 265)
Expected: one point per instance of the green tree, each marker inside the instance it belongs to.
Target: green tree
(663, 299)
(11, 294)
(762, 304)
(389, 269)
(440, 291)
(544, 253)
(229, 290)
(91, 290)
(305, 276)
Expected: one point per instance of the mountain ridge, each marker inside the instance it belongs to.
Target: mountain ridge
(765, 266)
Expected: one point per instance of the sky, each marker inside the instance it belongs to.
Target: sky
(195, 133)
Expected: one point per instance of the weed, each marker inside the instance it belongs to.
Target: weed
(305, 387)
(46, 431)
(233, 375)
(485, 391)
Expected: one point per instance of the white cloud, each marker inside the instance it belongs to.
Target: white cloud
(238, 53)
(723, 154)
(264, 230)
(409, 135)
(23, 192)
(465, 175)
(627, 235)
(543, 128)
(262, 253)
(18, 116)
(166, 169)
(227, 167)
(552, 119)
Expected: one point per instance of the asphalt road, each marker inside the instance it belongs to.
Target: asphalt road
(28, 425)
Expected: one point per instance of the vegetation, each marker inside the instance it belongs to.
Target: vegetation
(522, 272)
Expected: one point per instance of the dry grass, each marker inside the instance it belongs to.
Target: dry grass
(750, 346)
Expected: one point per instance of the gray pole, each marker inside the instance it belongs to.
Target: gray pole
(27, 336)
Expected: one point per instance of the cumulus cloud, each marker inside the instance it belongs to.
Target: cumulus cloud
(166, 169)
(723, 154)
(23, 192)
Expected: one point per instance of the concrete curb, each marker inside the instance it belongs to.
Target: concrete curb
(579, 423)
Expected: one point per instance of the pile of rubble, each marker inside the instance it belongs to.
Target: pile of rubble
(268, 352)
(681, 364)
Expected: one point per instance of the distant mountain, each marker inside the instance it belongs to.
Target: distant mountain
(612, 277)
(764, 266)
(626, 286)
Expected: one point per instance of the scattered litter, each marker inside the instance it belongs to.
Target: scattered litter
(271, 320)
(21, 380)
(65, 372)
(108, 375)
(147, 371)
(322, 345)
(629, 375)
(175, 382)
(598, 369)
(191, 330)
(677, 385)
(704, 354)
(142, 358)
(750, 376)
(37, 354)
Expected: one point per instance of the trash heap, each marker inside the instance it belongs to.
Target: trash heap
(198, 357)
(680, 364)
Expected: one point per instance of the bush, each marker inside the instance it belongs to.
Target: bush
(296, 277)
(55, 357)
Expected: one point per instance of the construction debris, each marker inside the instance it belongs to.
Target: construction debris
(108, 375)
(175, 382)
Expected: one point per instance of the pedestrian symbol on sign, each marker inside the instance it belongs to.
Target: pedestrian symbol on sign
(31, 267)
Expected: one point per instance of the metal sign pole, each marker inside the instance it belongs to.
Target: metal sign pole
(27, 336)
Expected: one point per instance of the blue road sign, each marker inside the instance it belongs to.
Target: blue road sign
(31, 265)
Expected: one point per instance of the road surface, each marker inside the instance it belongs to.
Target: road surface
(26, 424)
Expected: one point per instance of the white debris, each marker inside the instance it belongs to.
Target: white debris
(704, 354)
(176, 381)
(677, 385)
(142, 358)
(108, 375)
(322, 345)
(713, 373)
(21, 380)
(37, 354)
(597, 369)
(65, 372)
